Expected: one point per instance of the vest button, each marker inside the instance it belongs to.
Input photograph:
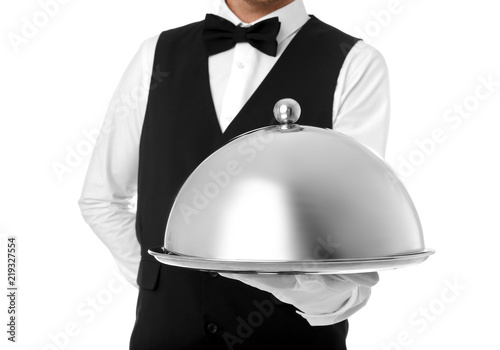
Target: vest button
(212, 327)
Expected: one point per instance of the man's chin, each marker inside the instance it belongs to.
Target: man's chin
(262, 3)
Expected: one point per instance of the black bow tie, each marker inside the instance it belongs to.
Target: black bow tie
(221, 35)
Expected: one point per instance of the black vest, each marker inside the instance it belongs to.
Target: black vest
(186, 309)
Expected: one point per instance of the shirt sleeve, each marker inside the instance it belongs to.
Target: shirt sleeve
(110, 186)
(362, 98)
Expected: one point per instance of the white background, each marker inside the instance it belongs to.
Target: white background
(57, 84)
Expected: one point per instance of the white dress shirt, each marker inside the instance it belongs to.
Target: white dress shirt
(360, 110)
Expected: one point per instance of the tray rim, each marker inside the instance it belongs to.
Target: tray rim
(321, 266)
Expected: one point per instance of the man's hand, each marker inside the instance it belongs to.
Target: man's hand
(315, 295)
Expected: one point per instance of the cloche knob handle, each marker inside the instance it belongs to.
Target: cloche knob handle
(287, 112)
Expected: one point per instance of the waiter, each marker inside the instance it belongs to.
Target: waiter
(206, 83)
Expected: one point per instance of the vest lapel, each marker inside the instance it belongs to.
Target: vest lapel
(268, 81)
(300, 75)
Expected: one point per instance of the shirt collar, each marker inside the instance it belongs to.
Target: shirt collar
(292, 17)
